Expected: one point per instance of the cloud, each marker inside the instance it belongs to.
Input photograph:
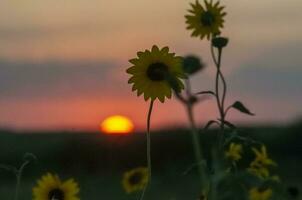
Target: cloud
(23, 79)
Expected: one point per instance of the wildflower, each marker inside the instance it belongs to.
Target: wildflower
(259, 171)
(220, 42)
(50, 187)
(260, 193)
(152, 72)
(135, 179)
(192, 64)
(234, 152)
(205, 21)
(259, 166)
(262, 158)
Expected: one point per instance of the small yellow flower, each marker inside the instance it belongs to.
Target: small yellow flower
(234, 152)
(262, 158)
(151, 73)
(205, 21)
(50, 187)
(135, 179)
(260, 194)
(260, 172)
(259, 166)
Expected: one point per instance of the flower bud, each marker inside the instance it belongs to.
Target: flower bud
(192, 64)
(220, 42)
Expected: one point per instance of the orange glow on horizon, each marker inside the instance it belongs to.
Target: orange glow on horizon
(117, 124)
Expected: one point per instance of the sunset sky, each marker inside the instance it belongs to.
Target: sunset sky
(62, 63)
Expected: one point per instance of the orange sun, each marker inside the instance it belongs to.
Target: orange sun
(117, 124)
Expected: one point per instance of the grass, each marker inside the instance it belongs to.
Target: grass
(98, 161)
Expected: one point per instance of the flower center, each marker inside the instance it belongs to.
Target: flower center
(262, 189)
(56, 194)
(157, 71)
(135, 178)
(207, 19)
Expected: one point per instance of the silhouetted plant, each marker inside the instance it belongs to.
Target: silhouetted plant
(150, 73)
(18, 171)
(50, 187)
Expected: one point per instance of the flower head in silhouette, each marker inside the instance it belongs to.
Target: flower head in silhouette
(260, 193)
(135, 179)
(234, 152)
(154, 71)
(205, 21)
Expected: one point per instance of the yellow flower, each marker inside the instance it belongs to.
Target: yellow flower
(260, 172)
(260, 194)
(205, 21)
(135, 179)
(262, 158)
(234, 152)
(152, 71)
(50, 187)
(260, 164)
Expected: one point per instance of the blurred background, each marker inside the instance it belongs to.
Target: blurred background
(62, 73)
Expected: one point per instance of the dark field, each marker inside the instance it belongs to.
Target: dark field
(98, 161)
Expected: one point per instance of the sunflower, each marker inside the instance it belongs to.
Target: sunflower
(234, 152)
(262, 158)
(135, 179)
(50, 187)
(153, 71)
(205, 21)
(260, 193)
(260, 165)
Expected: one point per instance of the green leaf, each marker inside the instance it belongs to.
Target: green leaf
(29, 157)
(8, 168)
(229, 124)
(210, 123)
(239, 106)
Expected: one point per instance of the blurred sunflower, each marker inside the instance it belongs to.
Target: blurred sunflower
(50, 187)
(153, 71)
(260, 165)
(205, 21)
(135, 179)
(262, 158)
(234, 152)
(260, 193)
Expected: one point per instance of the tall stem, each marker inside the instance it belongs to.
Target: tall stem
(18, 177)
(195, 135)
(223, 92)
(148, 149)
(149, 141)
(196, 143)
(220, 100)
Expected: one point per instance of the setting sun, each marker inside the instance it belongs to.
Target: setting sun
(117, 124)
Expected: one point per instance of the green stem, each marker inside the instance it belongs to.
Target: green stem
(196, 143)
(195, 134)
(223, 84)
(18, 177)
(219, 73)
(148, 149)
(149, 141)
(217, 94)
